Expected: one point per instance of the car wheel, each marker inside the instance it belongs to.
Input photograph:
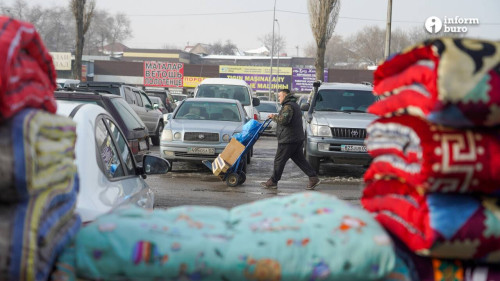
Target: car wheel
(314, 162)
(232, 180)
(157, 136)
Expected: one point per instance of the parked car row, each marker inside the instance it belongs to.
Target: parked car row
(112, 149)
(138, 101)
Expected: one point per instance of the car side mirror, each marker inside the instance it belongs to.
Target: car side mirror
(255, 101)
(169, 116)
(304, 107)
(152, 165)
(155, 106)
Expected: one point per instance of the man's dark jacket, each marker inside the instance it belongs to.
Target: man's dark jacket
(289, 121)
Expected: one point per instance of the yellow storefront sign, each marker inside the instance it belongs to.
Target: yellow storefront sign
(262, 70)
(192, 81)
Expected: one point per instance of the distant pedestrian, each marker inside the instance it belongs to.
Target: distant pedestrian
(290, 135)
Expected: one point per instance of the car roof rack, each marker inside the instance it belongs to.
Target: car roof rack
(101, 84)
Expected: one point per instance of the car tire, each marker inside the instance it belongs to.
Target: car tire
(314, 162)
(156, 138)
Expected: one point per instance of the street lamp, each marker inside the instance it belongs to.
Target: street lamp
(272, 51)
(278, 63)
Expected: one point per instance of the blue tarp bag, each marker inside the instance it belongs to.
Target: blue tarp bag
(248, 131)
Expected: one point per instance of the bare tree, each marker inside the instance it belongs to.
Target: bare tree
(57, 29)
(279, 42)
(120, 29)
(323, 16)
(368, 44)
(98, 34)
(83, 13)
(310, 49)
(22, 11)
(218, 48)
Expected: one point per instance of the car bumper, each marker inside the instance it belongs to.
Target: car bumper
(324, 147)
(179, 152)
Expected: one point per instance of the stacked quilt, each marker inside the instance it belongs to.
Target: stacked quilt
(450, 81)
(27, 75)
(434, 182)
(304, 236)
(38, 180)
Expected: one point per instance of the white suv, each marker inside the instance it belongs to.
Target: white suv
(230, 89)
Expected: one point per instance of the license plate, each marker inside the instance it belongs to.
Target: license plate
(143, 145)
(201, 150)
(353, 148)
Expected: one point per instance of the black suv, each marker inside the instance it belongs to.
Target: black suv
(138, 101)
(165, 96)
(131, 125)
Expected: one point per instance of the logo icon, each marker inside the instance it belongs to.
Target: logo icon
(354, 133)
(433, 24)
(201, 136)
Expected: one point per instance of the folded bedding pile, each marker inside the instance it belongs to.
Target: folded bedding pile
(434, 182)
(304, 236)
(38, 177)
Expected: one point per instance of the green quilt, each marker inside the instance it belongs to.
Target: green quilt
(305, 236)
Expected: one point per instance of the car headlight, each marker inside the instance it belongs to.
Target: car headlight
(321, 130)
(166, 135)
(177, 136)
(226, 137)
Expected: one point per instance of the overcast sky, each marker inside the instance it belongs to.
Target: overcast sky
(179, 22)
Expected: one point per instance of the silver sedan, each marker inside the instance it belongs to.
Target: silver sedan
(199, 129)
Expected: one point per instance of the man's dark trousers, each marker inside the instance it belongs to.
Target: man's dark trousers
(292, 151)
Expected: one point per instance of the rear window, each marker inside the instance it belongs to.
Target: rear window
(236, 92)
(179, 97)
(267, 107)
(130, 118)
(343, 100)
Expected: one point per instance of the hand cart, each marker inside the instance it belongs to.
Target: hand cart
(235, 175)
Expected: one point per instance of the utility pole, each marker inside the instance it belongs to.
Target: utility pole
(387, 50)
(272, 51)
(297, 47)
(278, 63)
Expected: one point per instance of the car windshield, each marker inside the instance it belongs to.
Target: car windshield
(130, 118)
(236, 92)
(344, 100)
(217, 111)
(267, 107)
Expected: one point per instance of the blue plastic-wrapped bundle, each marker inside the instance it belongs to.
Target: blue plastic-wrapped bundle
(248, 131)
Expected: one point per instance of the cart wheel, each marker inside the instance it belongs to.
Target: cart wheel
(243, 178)
(232, 179)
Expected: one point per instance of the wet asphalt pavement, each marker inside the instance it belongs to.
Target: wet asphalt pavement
(194, 184)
